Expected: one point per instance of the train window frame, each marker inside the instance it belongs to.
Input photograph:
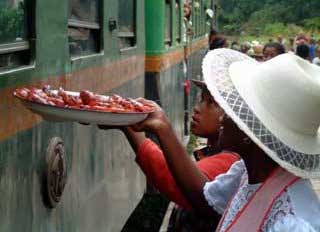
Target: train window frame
(130, 37)
(201, 17)
(194, 20)
(95, 27)
(168, 40)
(178, 15)
(204, 21)
(22, 51)
(198, 18)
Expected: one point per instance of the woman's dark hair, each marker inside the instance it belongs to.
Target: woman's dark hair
(303, 51)
(213, 32)
(212, 35)
(217, 42)
(278, 46)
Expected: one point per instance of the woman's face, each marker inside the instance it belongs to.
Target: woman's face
(232, 137)
(186, 11)
(205, 118)
(269, 53)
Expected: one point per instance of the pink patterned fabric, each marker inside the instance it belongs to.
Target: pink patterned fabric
(260, 201)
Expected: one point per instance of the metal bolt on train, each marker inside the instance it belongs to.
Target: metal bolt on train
(71, 177)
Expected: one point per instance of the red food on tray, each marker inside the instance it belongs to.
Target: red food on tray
(85, 100)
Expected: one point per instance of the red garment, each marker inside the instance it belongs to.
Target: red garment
(152, 162)
(187, 87)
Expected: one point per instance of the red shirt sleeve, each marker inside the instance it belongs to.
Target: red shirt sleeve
(152, 162)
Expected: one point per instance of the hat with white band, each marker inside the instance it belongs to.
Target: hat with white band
(276, 103)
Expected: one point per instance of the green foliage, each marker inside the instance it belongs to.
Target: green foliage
(230, 28)
(268, 17)
(11, 24)
(312, 24)
(274, 28)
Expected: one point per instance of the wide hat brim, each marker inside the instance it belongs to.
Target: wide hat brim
(238, 103)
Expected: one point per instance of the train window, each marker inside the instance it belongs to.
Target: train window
(203, 18)
(14, 44)
(178, 21)
(168, 23)
(84, 27)
(127, 23)
(197, 18)
(201, 23)
(194, 19)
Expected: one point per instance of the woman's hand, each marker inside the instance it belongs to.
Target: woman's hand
(155, 122)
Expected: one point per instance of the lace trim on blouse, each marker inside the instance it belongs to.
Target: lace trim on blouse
(281, 208)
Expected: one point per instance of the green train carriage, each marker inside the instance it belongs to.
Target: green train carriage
(170, 61)
(105, 46)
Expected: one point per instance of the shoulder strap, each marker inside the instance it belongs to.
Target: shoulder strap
(253, 214)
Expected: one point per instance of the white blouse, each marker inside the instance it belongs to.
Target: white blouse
(297, 209)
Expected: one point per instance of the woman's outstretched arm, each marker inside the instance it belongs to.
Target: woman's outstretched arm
(185, 172)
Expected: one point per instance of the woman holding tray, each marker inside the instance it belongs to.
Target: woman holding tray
(269, 114)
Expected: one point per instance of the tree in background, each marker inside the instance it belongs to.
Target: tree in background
(268, 17)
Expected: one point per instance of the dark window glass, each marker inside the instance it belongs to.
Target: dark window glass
(84, 10)
(127, 23)
(14, 43)
(83, 41)
(178, 21)
(84, 27)
(14, 59)
(168, 23)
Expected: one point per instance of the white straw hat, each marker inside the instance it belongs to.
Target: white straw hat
(276, 103)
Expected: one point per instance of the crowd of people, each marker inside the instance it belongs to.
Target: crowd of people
(307, 47)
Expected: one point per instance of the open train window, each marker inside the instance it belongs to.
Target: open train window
(168, 23)
(178, 21)
(84, 29)
(14, 33)
(127, 23)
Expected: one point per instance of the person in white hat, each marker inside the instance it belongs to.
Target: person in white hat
(270, 115)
